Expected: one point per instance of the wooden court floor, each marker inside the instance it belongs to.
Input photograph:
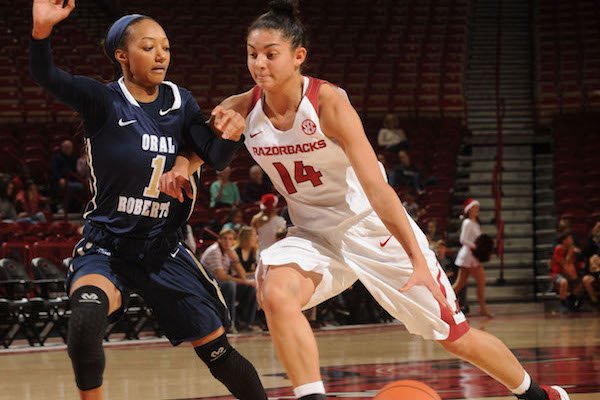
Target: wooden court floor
(562, 350)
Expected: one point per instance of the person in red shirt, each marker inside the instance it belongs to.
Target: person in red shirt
(568, 273)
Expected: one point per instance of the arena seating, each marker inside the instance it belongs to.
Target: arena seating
(568, 56)
(576, 173)
(405, 57)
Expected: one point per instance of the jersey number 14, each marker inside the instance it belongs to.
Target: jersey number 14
(302, 173)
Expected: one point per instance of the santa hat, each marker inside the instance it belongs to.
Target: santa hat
(268, 201)
(468, 204)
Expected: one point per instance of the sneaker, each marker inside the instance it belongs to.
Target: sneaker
(555, 393)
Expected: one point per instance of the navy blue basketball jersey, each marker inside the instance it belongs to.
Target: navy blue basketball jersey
(131, 144)
(127, 156)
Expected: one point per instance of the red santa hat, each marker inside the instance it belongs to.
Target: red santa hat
(468, 204)
(268, 201)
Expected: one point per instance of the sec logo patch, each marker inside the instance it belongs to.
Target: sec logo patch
(309, 127)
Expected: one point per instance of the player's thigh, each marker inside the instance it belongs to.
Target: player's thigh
(287, 285)
(303, 266)
(92, 268)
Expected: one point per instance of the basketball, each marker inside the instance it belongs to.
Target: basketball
(407, 390)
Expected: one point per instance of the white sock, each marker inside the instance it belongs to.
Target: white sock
(309, 388)
(524, 386)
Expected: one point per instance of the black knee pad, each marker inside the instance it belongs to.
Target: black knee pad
(232, 369)
(89, 306)
(216, 352)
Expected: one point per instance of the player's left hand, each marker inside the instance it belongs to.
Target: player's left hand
(229, 123)
(422, 276)
(173, 182)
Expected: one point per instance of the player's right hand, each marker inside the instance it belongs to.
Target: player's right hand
(47, 13)
(173, 183)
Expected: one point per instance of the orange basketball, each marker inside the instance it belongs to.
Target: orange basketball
(407, 390)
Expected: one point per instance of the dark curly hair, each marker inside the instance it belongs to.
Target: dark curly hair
(283, 16)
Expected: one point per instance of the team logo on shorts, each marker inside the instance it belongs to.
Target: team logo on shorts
(309, 127)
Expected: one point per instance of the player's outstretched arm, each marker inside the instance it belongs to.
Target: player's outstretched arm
(46, 14)
(83, 94)
(341, 122)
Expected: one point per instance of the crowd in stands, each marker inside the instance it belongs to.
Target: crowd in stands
(63, 187)
(245, 216)
(576, 272)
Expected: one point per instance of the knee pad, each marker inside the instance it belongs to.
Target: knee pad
(216, 352)
(89, 306)
(232, 369)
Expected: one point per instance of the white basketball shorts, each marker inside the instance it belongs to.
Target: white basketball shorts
(362, 249)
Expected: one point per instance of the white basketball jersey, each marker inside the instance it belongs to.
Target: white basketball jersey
(309, 169)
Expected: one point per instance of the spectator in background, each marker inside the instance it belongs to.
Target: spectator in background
(591, 256)
(224, 264)
(82, 167)
(30, 204)
(592, 248)
(235, 220)
(391, 136)
(257, 186)
(470, 230)
(223, 192)
(63, 174)
(389, 174)
(8, 212)
(406, 174)
(564, 226)
(441, 252)
(567, 273)
(431, 232)
(412, 207)
(63, 166)
(267, 222)
(247, 249)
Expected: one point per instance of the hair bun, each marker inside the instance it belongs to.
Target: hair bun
(288, 8)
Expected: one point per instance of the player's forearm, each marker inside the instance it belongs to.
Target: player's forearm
(387, 205)
(188, 161)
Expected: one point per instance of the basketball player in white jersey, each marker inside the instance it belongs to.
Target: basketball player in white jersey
(348, 222)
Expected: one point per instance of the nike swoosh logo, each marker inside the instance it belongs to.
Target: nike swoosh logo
(382, 244)
(255, 134)
(125, 123)
(163, 113)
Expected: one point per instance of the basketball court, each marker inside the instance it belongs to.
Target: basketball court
(356, 362)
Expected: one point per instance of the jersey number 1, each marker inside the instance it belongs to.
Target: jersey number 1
(302, 173)
(158, 166)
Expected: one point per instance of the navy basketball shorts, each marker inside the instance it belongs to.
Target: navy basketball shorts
(184, 297)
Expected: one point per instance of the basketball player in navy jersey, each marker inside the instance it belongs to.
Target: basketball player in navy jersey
(134, 129)
(349, 223)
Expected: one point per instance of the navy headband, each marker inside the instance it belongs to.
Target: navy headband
(115, 34)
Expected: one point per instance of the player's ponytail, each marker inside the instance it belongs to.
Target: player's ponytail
(284, 16)
(288, 8)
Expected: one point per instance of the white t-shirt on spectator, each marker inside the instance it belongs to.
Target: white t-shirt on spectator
(267, 232)
(390, 137)
(213, 259)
